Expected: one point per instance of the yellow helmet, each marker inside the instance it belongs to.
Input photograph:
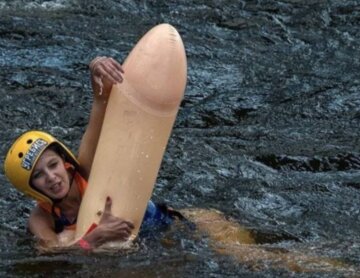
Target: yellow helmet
(23, 155)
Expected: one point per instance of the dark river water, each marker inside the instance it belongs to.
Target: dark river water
(268, 132)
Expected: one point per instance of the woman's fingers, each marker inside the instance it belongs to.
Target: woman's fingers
(108, 204)
(106, 73)
(130, 224)
(113, 72)
(116, 65)
(120, 224)
(95, 61)
(107, 68)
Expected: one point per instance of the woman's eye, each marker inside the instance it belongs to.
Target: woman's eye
(37, 175)
(53, 164)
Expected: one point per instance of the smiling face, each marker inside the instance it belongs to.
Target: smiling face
(50, 176)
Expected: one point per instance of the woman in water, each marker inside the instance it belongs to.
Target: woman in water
(42, 167)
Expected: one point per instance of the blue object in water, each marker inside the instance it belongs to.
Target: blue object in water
(156, 216)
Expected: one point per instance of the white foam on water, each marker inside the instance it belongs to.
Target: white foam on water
(37, 5)
(49, 5)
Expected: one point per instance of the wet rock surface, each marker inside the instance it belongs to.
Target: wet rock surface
(268, 131)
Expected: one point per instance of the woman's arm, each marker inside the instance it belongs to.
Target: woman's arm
(105, 72)
(41, 225)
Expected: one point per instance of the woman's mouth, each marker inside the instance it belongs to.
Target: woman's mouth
(56, 187)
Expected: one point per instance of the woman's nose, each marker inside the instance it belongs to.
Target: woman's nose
(50, 175)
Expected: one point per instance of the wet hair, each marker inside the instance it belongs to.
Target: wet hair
(57, 149)
(65, 156)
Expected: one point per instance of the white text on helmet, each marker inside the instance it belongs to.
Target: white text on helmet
(32, 154)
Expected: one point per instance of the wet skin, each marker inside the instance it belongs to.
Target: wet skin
(50, 176)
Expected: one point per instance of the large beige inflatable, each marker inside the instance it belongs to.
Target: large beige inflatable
(137, 125)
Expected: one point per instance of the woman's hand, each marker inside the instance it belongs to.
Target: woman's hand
(116, 228)
(110, 228)
(105, 72)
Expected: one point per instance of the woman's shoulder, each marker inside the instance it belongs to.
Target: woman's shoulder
(38, 214)
(41, 225)
(41, 209)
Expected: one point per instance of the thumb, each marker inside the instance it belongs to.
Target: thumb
(108, 204)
